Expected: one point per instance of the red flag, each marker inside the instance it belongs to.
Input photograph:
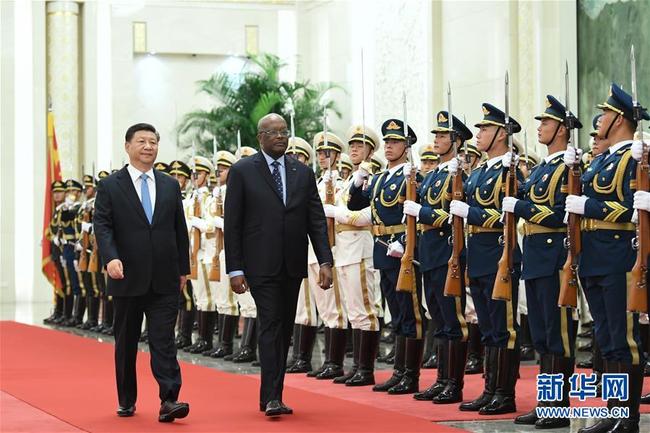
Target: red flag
(53, 172)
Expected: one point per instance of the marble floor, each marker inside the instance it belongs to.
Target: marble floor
(33, 313)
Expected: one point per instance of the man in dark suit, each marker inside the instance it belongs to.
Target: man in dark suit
(271, 207)
(142, 237)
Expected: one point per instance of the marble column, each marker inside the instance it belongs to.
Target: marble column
(63, 80)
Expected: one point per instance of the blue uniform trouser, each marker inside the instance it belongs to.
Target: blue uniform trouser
(496, 319)
(405, 311)
(617, 331)
(451, 309)
(552, 328)
(72, 276)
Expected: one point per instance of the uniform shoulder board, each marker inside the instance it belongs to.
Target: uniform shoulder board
(556, 160)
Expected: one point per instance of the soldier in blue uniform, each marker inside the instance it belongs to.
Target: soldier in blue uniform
(497, 319)
(542, 207)
(606, 205)
(58, 194)
(385, 196)
(435, 250)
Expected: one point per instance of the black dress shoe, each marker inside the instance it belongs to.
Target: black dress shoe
(552, 423)
(527, 353)
(645, 399)
(300, 366)
(529, 418)
(626, 425)
(277, 408)
(170, 410)
(125, 411)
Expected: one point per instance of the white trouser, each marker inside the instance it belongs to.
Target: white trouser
(204, 290)
(306, 309)
(330, 303)
(225, 298)
(247, 306)
(379, 307)
(356, 282)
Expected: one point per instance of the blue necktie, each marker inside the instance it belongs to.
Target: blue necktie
(145, 197)
(277, 178)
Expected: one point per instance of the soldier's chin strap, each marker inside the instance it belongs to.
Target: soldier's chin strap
(554, 134)
(493, 138)
(451, 146)
(609, 128)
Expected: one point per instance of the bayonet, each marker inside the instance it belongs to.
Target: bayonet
(508, 125)
(452, 133)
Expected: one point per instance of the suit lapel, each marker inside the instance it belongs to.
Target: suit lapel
(290, 174)
(159, 191)
(263, 168)
(126, 184)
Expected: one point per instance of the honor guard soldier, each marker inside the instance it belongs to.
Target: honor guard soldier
(162, 166)
(58, 194)
(606, 206)
(353, 261)
(247, 309)
(306, 321)
(496, 318)
(186, 306)
(202, 250)
(552, 328)
(345, 166)
(429, 159)
(330, 303)
(435, 250)
(89, 267)
(385, 195)
(67, 234)
(244, 151)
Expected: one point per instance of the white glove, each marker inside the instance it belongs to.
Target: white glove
(508, 159)
(218, 222)
(576, 204)
(86, 227)
(635, 216)
(459, 208)
(199, 224)
(76, 265)
(342, 215)
(78, 247)
(56, 241)
(642, 200)
(453, 165)
(572, 155)
(395, 249)
(69, 200)
(637, 149)
(509, 204)
(407, 169)
(360, 176)
(412, 208)
(330, 210)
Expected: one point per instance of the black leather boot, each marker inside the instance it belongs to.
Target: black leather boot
(507, 374)
(635, 381)
(398, 366)
(57, 313)
(71, 315)
(604, 425)
(107, 321)
(430, 350)
(453, 392)
(558, 364)
(490, 385)
(295, 338)
(200, 340)
(248, 350)
(365, 374)
(356, 348)
(184, 336)
(598, 367)
(227, 330)
(314, 373)
(304, 340)
(443, 375)
(527, 351)
(475, 350)
(432, 361)
(335, 355)
(92, 305)
(388, 358)
(410, 381)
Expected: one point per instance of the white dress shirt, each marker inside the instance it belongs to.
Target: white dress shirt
(137, 184)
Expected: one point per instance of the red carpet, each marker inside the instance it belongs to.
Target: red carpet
(71, 379)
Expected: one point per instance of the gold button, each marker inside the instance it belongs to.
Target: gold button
(617, 236)
(532, 209)
(604, 209)
(442, 233)
(549, 241)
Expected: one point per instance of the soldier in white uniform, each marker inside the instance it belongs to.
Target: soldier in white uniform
(354, 265)
(203, 289)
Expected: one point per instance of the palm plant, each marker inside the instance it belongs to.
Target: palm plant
(242, 99)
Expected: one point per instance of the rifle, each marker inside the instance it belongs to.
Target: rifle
(329, 186)
(406, 279)
(85, 217)
(453, 282)
(196, 234)
(502, 290)
(568, 296)
(93, 262)
(215, 266)
(637, 301)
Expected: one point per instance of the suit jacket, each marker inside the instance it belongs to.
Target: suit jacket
(262, 234)
(153, 255)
